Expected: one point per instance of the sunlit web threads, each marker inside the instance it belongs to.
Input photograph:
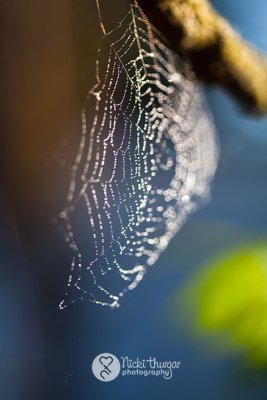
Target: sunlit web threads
(146, 157)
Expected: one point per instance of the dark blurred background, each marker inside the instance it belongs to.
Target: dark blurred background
(48, 52)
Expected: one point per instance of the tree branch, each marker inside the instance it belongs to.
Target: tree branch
(219, 55)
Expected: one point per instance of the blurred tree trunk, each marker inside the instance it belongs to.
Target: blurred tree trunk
(40, 130)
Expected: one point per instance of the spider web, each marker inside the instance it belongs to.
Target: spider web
(146, 158)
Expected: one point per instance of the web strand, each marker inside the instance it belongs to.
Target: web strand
(146, 158)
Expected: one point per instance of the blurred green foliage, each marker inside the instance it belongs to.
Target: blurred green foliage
(226, 303)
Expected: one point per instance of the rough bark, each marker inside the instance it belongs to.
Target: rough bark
(219, 55)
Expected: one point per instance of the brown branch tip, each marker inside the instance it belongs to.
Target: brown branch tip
(219, 55)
